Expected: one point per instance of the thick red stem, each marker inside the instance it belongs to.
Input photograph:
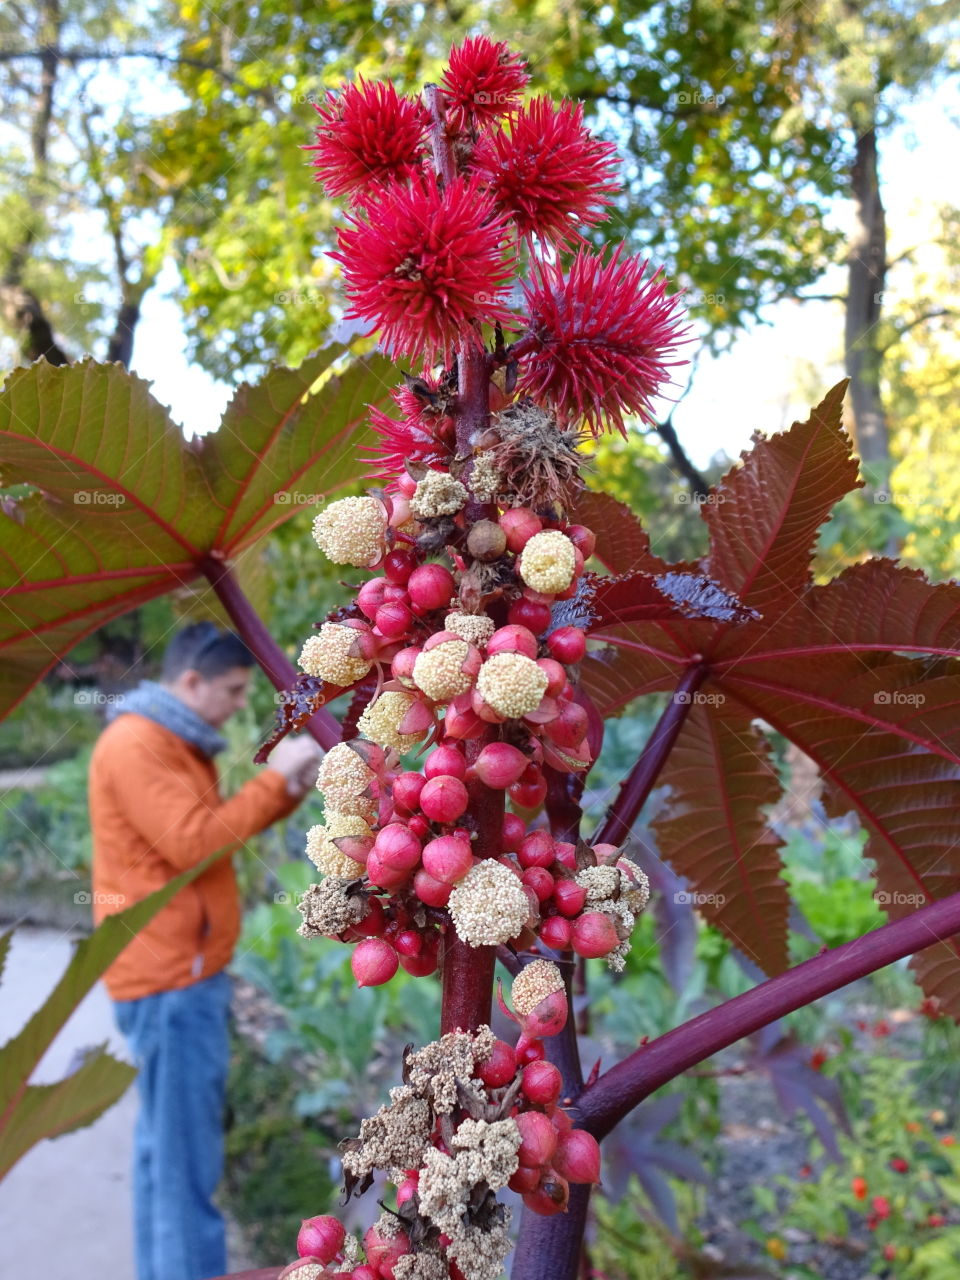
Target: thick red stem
(270, 657)
(641, 779)
(618, 1091)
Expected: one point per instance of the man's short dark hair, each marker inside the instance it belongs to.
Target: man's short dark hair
(205, 648)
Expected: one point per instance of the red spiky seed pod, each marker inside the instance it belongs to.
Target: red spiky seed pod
(320, 1237)
(408, 942)
(420, 966)
(373, 962)
(483, 81)
(528, 795)
(444, 799)
(368, 136)
(578, 1157)
(566, 854)
(402, 664)
(384, 877)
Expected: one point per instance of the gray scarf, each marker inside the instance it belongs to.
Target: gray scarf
(159, 704)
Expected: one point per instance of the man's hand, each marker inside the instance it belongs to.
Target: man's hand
(297, 759)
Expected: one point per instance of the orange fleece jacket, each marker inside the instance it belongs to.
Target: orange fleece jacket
(155, 810)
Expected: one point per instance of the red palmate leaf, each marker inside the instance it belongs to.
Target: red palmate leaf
(863, 674)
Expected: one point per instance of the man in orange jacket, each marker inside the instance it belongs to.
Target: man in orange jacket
(155, 810)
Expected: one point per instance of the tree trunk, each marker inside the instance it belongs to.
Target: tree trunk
(866, 277)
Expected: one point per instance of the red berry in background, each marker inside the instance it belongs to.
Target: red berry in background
(512, 639)
(594, 935)
(435, 893)
(397, 847)
(556, 932)
(584, 539)
(540, 881)
(578, 1156)
(514, 829)
(881, 1206)
(890, 1252)
(859, 1188)
(373, 962)
(500, 1068)
(393, 619)
(528, 795)
(430, 587)
(936, 1220)
(567, 644)
(420, 966)
(444, 799)
(445, 759)
(499, 765)
(321, 1237)
(537, 850)
(570, 897)
(520, 524)
(542, 1083)
(532, 614)
(406, 790)
(538, 1139)
(398, 566)
(899, 1165)
(447, 859)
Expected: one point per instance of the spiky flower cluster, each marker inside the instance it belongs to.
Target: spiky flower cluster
(472, 1116)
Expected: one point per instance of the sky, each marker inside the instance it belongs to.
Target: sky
(763, 383)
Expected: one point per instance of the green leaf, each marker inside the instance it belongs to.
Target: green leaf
(20, 1055)
(126, 509)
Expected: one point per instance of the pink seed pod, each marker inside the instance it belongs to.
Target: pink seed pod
(321, 1237)
(393, 619)
(540, 881)
(406, 486)
(556, 676)
(542, 1083)
(567, 644)
(399, 511)
(384, 1252)
(530, 614)
(418, 719)
(514, 830)
(528, 795)
(444, 799)
(566, 854)
(584, 539)
(445, 759)
(408, 942)
(406, 1190)
(433, 892)
(447, 858)
(382, 876)
(374, 922)
(500, 1068)
(594, 935)
(370, 597)
(607, 854)
(570, 897)
(520, 524)
(397, 847)
(556, 932)
(430, 587)
(460, 721)
(570, 726)
(406, 790)
(578, 1157)
(373, 962)
(537, 849)
(538, 1139)
(512, 639)
(398, 566)
(419, 826)
(529, 1049)
(499, 765)
(401, 668)
(422, 965)
(551, 1197)
(483, 709)
(363, 1272)
(524, 1180)
(546, 710)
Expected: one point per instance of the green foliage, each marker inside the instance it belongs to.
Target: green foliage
(47, 729)
(632, 1244)
(45, 830)
(28, 1112)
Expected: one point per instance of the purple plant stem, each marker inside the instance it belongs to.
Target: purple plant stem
(602, 1105)
(270, 657)
(641, 779)
(440, 144)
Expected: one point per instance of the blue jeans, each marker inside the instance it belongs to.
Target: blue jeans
(180, 1045)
